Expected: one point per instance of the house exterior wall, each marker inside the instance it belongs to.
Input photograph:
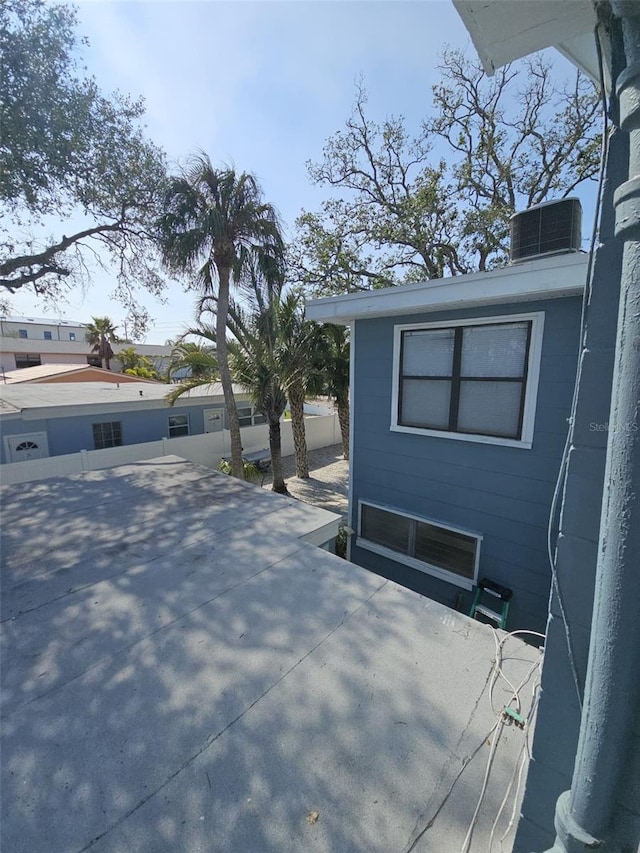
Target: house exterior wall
(502, 493)
(72, 352)
(558, 720)
(72, 434)
(11, 327)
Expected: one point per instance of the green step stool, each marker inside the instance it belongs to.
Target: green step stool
(487, 592)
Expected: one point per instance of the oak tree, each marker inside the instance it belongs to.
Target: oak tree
(413, 206)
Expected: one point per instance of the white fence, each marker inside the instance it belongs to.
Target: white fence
(205, 450)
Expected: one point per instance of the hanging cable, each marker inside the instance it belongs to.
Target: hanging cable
(563, 471)
(504, 718)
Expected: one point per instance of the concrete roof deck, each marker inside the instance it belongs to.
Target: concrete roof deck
(181, 672)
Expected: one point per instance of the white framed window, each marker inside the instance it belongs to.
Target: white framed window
(48, 336)
(72, 336)
(249, 416)
(178, 425)
(474, 380)
(438, 549)
(108, 434)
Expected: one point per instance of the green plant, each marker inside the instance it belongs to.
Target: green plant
(250, 471)
(341, 543)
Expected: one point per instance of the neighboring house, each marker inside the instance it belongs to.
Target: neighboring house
(41, 329)
(461, 389)
(50, 373)
(31, 342)
(40, 420)
(583, 786)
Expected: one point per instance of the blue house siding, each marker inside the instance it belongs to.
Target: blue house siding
(503, 493)
(69, 435)
(72, 434)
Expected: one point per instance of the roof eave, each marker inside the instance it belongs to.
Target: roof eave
(548, 278)
(505, 30)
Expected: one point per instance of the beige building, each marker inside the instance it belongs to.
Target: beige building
(31, 342)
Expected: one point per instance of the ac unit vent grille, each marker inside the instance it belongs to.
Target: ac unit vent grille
(548, 229)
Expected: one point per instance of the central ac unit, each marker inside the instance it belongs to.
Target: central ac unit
(546, 229)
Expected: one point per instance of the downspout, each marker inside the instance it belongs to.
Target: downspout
(585, 814)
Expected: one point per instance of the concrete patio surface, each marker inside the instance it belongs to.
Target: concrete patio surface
(328, 482)
(182, 672)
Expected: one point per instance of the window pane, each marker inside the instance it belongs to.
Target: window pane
(491, 408)
(107, 435)
(178, 425)
(494, 350)
(259, 419)
(177, 420)
(425, 403)
(27, 360)
(446, 549)
(385, 528)
(427, 353)
(245, 422)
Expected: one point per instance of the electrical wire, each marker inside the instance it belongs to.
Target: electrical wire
(485, 784)
(497, 665)
(521, 762)
(465, 763)
(563, 471)
(517, 767)
(501, 722)
(498, 726)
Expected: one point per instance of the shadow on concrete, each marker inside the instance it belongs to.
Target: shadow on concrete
(181, 673)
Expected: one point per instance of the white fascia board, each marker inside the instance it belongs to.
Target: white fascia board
(78, 410)
(505, 30)
(544, 278)
(323, 534)
(29, 413)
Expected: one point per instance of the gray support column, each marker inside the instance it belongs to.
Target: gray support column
(584, 815)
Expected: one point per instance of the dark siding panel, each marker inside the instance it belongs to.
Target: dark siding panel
(502, 492)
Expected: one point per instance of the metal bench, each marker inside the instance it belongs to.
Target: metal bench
(260, 458)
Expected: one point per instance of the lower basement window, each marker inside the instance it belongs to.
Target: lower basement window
(440, 550)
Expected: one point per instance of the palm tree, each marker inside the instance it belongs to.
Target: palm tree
(300, 341)
(254, 361)
(101, 333)
(335, 368)
(190, 359)
(215, 222)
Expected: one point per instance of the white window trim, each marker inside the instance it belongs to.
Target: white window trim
(531, 390)
(110, 424)
(179, 415)
(412, 562)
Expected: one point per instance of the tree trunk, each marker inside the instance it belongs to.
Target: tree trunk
(237, 468)
(296, 401)
(343, 420)
(275, 447)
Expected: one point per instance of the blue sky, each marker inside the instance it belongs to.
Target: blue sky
(260, 85)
